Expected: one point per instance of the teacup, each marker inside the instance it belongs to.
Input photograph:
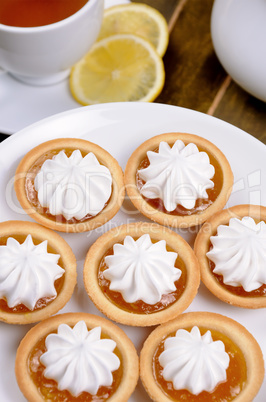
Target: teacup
(43, 55)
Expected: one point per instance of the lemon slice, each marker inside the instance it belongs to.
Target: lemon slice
(137, 19)
(120, 68)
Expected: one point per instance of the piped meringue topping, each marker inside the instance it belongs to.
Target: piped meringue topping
(73, 186)
(194, 362)
(239, 253)
(142, 270)
(27, 272)
(79, 360)
(178, 175)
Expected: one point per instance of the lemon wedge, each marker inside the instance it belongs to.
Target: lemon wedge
(137, 19)
(119, 68)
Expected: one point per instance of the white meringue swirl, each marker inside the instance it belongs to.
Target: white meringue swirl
(178, 175)
(194, 362)
(27, 272)
(239, 253)
(73, 186)
(79, 360)
(142, 270)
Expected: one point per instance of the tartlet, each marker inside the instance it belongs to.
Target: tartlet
(38, 272)
(69, 185)
(154, 274)
(73, 329)
(190, 341)
(172, 184)
(232, 261)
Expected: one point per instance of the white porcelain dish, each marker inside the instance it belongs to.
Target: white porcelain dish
(120, 128)
(238, 33)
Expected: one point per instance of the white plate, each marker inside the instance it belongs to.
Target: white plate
(22, 104)
(120, 128)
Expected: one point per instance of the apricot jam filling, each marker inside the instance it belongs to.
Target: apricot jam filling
(224, 391)
(140, 307)
(32, 194)
(44, 301)
(201, 203)
(48, 388)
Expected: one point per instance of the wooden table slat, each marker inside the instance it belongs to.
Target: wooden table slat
(244, 111)
(193, 72)
(166, 7)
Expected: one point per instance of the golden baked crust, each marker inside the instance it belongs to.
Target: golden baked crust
(232, 329)
(174, 220)
(202, 244)
(157, 232)
(113, 205)
(67, 261)
(130, 360)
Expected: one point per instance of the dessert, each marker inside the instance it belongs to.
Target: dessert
(141, 274)
(201, 356)
(231, 249)
(178, 179)
(69, 185)
(76, 356)
(37, 272)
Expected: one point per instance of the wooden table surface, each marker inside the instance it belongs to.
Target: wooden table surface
(195, 78)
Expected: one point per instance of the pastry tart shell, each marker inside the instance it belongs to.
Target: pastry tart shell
(130, 360)
(202, 245)
(113, 204)
(167, 219)
(135, 230)
(68, 262)
(238, 334)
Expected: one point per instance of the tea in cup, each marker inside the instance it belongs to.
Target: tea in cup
(41, 40)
